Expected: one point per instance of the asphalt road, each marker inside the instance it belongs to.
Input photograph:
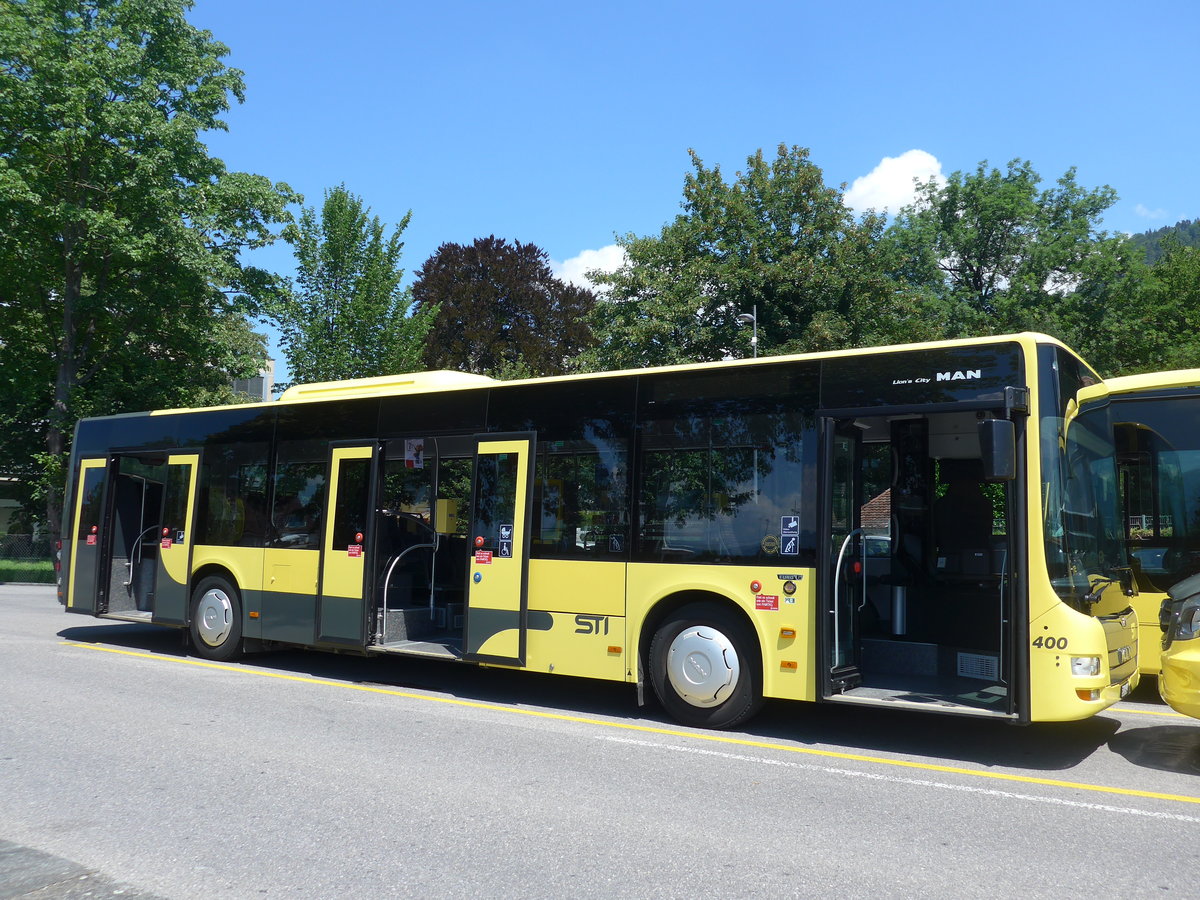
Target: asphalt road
(302, 774)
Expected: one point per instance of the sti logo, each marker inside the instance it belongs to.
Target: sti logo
(968, 375)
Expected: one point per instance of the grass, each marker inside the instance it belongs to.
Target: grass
(38, 571)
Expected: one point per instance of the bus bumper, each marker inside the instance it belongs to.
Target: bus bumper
(1179, 683)
(1080, 664)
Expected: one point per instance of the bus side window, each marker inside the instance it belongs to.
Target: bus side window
(580, 488)
(354, 491)
(579, 500)
(406, 489)
(299, 495)
(232, 479)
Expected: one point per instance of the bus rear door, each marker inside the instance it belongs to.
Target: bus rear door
(499, 548)
(88, 571)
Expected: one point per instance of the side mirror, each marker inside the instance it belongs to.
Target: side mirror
(1127, 579)
(998, 447)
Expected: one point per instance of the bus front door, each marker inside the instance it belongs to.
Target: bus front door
(846, 557)
(172, 571)
(499, 548)
(88, 569)
(347, 547)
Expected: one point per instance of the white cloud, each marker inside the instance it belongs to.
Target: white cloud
(607, 259)
(889, 186)
(1146, 213)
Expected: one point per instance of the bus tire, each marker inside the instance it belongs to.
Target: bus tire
(216, 627)
(705, 667)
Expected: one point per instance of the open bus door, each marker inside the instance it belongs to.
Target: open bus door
(132, 536)
(846, 556)
(347, 546)
(174, 565)
(919, 602)
(88, 571)
(499, 548)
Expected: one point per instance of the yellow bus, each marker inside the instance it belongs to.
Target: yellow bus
(1158, 454)
(1179, 681)
(927, 527)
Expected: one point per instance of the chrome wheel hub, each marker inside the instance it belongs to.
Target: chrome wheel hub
(214, 617)
(703, 666)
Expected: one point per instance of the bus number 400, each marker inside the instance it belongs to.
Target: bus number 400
(1051, 643)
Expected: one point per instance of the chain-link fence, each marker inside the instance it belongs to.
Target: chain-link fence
(27, 558)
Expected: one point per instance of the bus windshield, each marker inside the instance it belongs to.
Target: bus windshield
(1080, 497)
(1159, 452)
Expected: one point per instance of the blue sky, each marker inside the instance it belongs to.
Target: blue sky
(562, 124)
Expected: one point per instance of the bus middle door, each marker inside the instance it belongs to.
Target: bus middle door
(499, 548)
(173, 570)
(346, 547)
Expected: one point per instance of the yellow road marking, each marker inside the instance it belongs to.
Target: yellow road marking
(648, 729)
(1149, 712)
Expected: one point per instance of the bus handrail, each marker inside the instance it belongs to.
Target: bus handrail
(135, 553)
(380, 631)
(837, 580)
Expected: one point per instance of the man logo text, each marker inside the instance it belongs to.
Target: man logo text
(960, 376)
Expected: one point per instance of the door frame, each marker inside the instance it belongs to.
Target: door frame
(523, 511)
(1015, 586)
(370, 451)
(195, 459)
(96, 603)
(849, 675)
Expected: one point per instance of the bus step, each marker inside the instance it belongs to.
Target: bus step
(410, 624)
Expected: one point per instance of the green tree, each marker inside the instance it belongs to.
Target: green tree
(991, 252)
(1176, 284)
(500, 311)
(120, 284)
(776, 238)
(347, 316)
(1128, 317)
(1185, 232)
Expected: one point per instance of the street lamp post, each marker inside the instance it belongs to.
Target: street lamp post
(751, 318)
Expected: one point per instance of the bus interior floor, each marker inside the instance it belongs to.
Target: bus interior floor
(416, 623)
(449, 647)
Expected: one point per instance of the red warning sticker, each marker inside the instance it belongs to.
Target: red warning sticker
(354, 550)
(483, 557)
(766, 601)
(91, 539)
(166, 543)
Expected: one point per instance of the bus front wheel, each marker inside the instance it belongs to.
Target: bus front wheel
(705, 667)
(216, 627)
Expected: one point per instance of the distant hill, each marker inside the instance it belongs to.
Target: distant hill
(1187, 232)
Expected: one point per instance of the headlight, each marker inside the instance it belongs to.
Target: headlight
(1188, 626)
(1180, 619)
(1085, 665)
(1180, 613)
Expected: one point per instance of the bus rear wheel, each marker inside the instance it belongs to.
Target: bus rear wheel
(705, 668)
(216, 627)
